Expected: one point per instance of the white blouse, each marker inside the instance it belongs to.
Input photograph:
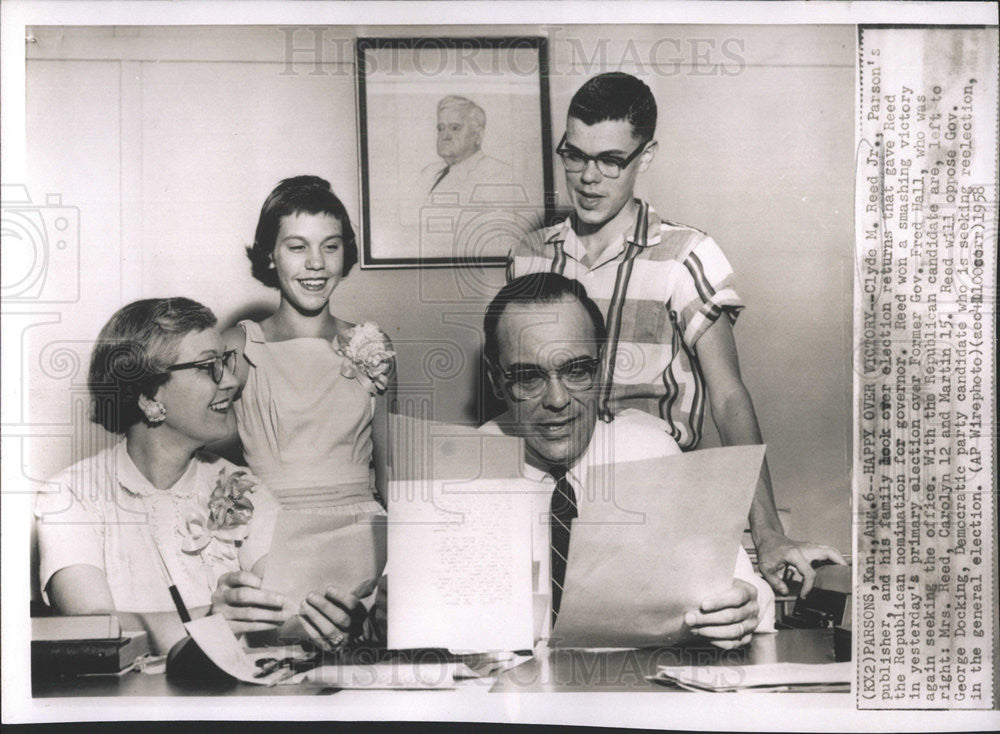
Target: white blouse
(103, 512)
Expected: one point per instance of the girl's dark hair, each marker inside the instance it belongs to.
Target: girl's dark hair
(133, 352)
(300, 194)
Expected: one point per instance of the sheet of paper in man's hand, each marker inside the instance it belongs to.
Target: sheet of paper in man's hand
(311, 552)
(652, 540)
(459, 544)
(460, 567)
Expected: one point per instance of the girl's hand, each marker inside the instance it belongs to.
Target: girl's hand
(332, 619)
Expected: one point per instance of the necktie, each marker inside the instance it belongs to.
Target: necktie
(444, 172)
(562, 510)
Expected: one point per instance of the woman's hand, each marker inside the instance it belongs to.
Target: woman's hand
(246, 606)
(333, 618)
(726, 619)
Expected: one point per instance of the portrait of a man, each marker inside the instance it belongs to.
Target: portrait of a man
(461, 128)
(456, 166)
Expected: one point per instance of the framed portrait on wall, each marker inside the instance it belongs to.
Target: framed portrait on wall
(455, 148)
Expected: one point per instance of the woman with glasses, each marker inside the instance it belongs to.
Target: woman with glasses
(152, 529)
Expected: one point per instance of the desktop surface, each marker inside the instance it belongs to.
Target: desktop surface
(552, 670)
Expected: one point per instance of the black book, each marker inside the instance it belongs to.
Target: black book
(52, 658)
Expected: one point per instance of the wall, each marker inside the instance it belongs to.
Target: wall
(166, 141)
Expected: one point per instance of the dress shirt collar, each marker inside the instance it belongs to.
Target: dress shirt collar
(576, 474)
(599, 451)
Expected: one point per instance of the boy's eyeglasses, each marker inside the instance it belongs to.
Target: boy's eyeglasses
(610, 166)
(530, 381)
(215, 366)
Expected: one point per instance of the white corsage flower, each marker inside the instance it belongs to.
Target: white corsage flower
(226, 516)
(367, 358)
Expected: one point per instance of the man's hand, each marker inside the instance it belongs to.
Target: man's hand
(776, 552)
(331, 619)
(239, 598)
(726, 619)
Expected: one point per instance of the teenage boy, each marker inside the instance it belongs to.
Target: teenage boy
(662, 287)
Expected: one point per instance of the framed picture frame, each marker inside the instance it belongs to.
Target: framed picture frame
(455, 148)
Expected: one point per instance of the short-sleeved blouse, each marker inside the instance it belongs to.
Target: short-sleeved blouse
(103, 512)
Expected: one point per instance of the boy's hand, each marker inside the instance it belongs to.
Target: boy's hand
(776, 552)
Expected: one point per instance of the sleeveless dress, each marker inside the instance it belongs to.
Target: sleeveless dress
(306, 428)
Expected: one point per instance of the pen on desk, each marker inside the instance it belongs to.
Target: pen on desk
(175, 595)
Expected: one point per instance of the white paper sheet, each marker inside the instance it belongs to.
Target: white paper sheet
(767, 676)
(216, 639)
(311, 552)
(460, 565)
(652, 540)
(390, 675)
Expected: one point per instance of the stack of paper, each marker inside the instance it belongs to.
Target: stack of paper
(413, 672)
(388, 675)
(816, 678)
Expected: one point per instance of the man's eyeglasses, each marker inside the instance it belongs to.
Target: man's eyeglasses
(610, 166)
(215, 366)
(530, 381)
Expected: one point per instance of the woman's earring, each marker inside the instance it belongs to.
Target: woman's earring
(155, 412)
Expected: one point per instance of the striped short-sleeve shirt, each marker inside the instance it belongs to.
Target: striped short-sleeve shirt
(679, 283)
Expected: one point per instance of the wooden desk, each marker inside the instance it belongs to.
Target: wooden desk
(550, 671)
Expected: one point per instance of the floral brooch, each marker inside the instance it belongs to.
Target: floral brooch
(227, 515)
(367, 358)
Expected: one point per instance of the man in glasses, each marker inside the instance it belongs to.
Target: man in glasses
(543, 342)
(663, 287)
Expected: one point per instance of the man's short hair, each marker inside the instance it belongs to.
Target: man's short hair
(473, 112)
(540, 289)
(616, 96)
